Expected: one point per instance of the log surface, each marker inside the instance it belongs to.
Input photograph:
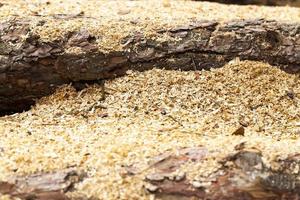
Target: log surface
(244, 175)
(31, 69)
(42, 186)
(45, 47)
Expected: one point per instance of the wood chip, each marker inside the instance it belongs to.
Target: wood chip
(240, 131)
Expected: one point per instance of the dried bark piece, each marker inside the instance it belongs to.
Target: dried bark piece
(239, 131)
(84, 40)
(248, 160)
(68, 16)
(42, 186)
(169, 162)
(164, 181)
(240, 146)
(291, 164)
(5, 187)
(175, 189)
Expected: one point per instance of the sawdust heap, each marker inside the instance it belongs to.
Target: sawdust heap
(147, 113)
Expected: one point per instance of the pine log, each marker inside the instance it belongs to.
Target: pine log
(33, 64)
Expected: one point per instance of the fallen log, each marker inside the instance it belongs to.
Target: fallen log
(34, 61)
(241, 175)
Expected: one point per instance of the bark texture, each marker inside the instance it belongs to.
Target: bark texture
(241, 176)
(42, 186)
(31, 68)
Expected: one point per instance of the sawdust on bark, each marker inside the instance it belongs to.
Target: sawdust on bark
(111, 22)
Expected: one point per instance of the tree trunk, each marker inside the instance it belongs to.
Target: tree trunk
(35, 68)
(31, 69)
(32, 65)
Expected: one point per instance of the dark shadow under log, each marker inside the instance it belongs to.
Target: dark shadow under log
(31, 68)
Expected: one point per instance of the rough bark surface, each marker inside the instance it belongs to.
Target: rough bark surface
(42, 186)
(31, 68)
(242, 176)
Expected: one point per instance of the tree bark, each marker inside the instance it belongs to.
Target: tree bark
(30, 69)
(42, 186)
(242, 176)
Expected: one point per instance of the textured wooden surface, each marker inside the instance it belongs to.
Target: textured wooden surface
(246, 177)
(42, 186)
(41, 48)
(31, 69)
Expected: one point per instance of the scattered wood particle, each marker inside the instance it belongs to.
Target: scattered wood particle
(239, 131)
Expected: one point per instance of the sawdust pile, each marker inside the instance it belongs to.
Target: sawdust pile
(147, 113)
